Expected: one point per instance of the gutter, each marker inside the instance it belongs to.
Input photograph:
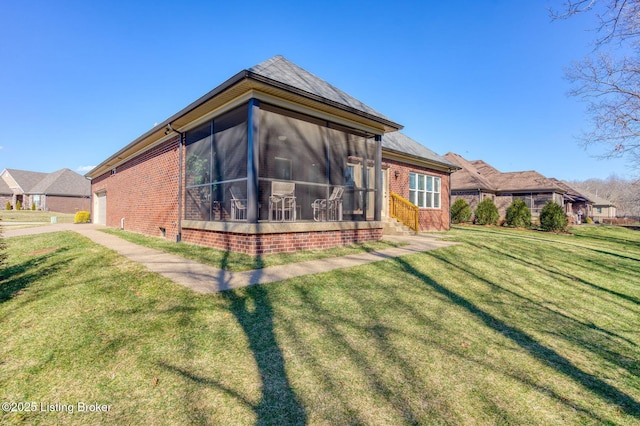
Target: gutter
(402, 156)
(234, 80)
(265, 80)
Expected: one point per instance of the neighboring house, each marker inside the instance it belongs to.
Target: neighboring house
(602, 209)
(63, 191)
(577, 205)
(478, 180)
(274, 159)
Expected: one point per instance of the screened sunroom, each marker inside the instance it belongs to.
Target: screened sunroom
(263, 163)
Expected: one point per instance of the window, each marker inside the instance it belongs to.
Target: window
(424, 191)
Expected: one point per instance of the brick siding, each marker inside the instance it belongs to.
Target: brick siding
(62, 204)
(4, 199)
(144, 191)
(429, 219)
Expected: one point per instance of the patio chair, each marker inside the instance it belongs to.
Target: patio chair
(238, 205)
(282, 201)
(329, 208)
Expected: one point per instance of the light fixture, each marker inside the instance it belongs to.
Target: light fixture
(282, 138)
(396, 173)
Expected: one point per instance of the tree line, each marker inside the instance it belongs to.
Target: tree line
(624, 193)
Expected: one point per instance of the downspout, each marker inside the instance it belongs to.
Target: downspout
(90, 199)
(180, 173)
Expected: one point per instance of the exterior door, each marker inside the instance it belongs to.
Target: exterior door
(100, 208)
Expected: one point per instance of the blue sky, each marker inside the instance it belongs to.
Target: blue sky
(484, 79)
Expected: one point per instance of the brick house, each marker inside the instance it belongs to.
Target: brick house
(274, 159)
(477, 180)
(63, 191)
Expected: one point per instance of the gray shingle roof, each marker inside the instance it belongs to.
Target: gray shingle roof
(63, 182)
(280, 69)
(399, 142)
(26, 179)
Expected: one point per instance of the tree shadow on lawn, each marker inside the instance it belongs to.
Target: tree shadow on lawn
(509, 252)
(571, 240)
(601, 341)
(15, 278)
(252, 309)
(530, 345)
(279, 403)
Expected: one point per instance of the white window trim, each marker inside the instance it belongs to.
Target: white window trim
(413, 192)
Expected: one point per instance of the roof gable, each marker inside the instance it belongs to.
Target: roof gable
(25, 180)
(4, 188)
(468, 177)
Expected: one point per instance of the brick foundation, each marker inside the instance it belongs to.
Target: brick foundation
(258, 244)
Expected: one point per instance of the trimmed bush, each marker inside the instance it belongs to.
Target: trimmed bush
(460, 211)
(19, 205)
(33, 206)
(553, 218)
(8, 205)
(82, 217)
(486, 213)
(589, 221)
(518, 214)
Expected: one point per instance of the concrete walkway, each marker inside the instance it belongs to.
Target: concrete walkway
(208, 279)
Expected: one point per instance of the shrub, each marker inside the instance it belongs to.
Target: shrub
(518, 214)
(8, 205)
(486, 213)
(589, 221)
(460, 211)
(19, 205)
(82, 217)
(553, 218)
(33, 206)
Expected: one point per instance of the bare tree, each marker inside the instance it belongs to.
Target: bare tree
(624, 193)
(609, 79)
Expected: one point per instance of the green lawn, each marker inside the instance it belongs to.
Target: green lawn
(8, 216)
(509, 327)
